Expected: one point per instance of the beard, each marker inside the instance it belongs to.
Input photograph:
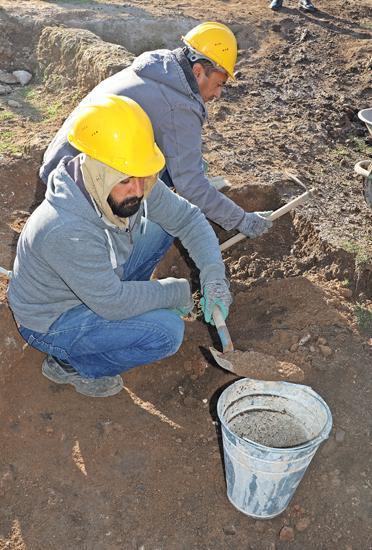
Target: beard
(126, 208)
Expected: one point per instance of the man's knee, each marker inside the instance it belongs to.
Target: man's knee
(173, 329)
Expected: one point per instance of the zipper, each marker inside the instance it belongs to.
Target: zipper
(129, 230)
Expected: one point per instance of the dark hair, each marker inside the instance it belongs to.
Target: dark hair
(205, 63)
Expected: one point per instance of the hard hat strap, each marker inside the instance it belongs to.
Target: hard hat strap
(194, 56)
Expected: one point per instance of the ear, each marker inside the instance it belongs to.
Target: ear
(197, 69)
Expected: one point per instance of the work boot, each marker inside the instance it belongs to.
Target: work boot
(306, 5)
(276, 4)
(63, 373)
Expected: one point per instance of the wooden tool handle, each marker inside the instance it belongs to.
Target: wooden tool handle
(276, 214)
(290, 205)
(222, 330)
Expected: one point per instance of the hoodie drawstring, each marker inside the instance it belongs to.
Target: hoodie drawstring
(144, 226)
(113, 260)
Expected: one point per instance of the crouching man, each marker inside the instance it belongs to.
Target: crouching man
(81, 289)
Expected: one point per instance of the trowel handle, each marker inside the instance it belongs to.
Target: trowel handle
(276, 214)
(222, 330)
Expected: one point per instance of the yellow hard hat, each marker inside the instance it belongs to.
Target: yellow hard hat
(215, 42)
(116, 131)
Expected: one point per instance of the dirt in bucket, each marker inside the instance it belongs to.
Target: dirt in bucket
(277, 429)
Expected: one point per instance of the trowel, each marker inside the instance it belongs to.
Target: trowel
(238, 361)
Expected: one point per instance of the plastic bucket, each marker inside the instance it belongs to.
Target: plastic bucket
(262, 477)
(365, 115)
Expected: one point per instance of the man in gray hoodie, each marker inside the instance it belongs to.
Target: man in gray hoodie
(81, 289)
(173, 88)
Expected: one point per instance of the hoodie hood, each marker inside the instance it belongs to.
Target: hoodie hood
(170, 68)
(64, 192)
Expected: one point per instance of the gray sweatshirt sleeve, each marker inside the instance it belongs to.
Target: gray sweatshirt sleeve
(83, 264)
(181, 145)
(183, 220)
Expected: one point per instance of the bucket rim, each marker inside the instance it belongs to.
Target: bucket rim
(315, 441)
(362, 115)
(365, 115)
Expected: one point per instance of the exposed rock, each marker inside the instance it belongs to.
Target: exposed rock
(23, 77)
(14, 104)
(5, 89)
(7, 78)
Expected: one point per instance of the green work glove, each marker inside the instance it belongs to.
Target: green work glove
(215, 293)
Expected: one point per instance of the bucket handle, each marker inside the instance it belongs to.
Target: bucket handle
(359, 168)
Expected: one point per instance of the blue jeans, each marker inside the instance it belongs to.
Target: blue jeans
(97, 347)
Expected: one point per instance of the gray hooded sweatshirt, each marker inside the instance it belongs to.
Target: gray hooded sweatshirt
(65, 256)
(163, 84)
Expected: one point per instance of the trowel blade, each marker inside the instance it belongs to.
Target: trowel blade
(221, 361)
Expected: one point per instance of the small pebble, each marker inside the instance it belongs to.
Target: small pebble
(286, 533)
(229, 530)
(340, 435)
(302, 524)
(304, 340)
(322, 341)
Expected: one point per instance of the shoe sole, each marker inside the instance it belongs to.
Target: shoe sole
(78, 386)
